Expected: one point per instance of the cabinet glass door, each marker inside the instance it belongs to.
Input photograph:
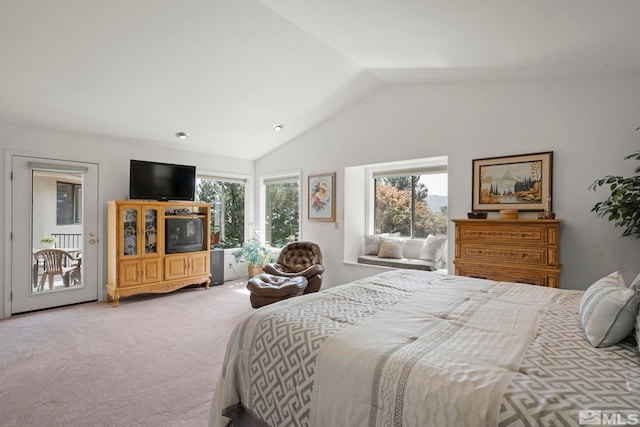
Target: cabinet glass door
(130, 231)
(150, 228)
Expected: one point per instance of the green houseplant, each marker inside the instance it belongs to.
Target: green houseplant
(253, 253)
(622, 207)
(49, 241)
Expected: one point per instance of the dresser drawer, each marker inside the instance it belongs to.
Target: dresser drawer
(505, 275)
(529, 255)
(508, 234)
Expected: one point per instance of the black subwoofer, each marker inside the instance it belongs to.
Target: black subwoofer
(217, 266)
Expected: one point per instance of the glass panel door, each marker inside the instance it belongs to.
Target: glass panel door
(129, 231)
(150, 227)
(54, 223)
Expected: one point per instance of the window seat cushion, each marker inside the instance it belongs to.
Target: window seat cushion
(415, 264)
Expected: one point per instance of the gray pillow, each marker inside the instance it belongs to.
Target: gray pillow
(608, 311)
(390, 248)
(371, 244)
(432, 247)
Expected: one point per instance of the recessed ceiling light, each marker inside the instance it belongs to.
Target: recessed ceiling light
(278, 128)
(182, 135)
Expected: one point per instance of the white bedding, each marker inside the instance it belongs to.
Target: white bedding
(416, 348)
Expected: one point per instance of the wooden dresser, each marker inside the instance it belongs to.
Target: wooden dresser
(519, 250)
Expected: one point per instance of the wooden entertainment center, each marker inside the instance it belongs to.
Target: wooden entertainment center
(137, 261)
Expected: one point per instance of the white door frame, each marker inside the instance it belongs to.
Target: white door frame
(8, 256)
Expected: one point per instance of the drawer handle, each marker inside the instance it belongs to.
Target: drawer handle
(522, 255)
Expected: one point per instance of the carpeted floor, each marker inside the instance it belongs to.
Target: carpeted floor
(153, 361)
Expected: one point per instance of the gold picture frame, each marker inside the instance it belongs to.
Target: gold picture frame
(521, 182)
(322, 197)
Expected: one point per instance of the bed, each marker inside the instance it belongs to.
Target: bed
(418, 348)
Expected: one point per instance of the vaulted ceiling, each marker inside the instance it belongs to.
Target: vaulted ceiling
(226, 72)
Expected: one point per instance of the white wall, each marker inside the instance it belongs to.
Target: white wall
(589, 124)
(111, 154)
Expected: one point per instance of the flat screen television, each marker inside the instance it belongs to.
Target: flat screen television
(161, 181)
(183, 235)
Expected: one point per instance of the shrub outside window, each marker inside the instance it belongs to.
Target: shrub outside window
(411, 204)
(282, 210)
(227, 200)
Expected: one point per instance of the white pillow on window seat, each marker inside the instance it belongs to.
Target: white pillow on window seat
(411, 248)
(372, 243)
(390, 248)
(432, 248)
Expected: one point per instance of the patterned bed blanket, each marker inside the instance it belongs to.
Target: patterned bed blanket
(416, 348)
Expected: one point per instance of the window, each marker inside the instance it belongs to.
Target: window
(281, 209)
(227, 199)
(68, 203)
(360, 202)
(413, 204)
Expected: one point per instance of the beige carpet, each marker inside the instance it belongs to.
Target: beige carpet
(153, 361)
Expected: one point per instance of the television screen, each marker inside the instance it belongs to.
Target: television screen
(183, 235)
(161, 181)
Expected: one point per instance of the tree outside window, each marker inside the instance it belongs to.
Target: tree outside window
(404, 204)
(227, 200)
(282, 211)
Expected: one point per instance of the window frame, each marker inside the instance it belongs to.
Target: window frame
(417, 167)
(76, 203)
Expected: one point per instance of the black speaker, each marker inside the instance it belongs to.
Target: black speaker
(217, 266)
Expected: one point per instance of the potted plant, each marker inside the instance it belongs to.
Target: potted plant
(254, 254)
(48, 242)
(622, 207)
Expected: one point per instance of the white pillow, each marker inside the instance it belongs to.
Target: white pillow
(411, 248)
(608, 311)
(371, 244)
(432, 247)
(390, 248)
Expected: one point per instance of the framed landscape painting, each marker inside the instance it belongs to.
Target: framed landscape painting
(521, 182)
(322, 197)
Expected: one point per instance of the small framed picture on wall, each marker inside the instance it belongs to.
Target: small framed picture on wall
(322, 197)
